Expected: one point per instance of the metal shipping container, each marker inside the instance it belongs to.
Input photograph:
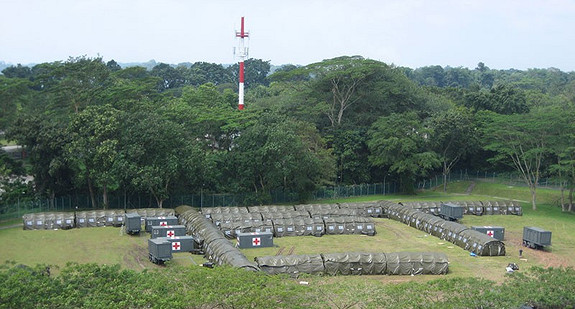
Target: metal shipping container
(159, 250)
(168, 231)
(181, 243)
(451, 212)
(255, 240)
(537, 238)
(496, 232)
(133, 223)
(160, 221)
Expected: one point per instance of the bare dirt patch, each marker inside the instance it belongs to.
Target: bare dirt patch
(543, 257)
(135, 257)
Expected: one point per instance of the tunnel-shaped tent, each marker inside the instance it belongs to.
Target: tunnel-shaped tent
(292, 265)
(480, 244)
(218, 249)
(354, 263)
(416, 263)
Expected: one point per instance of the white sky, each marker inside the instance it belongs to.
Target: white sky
(503, 34)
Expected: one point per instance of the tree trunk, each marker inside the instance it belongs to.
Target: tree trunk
(52, 198)
(533, 197)
(91, 188)
(571, 198)
(105, 196)
(563, 204)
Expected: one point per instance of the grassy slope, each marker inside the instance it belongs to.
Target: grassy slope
(107, 245)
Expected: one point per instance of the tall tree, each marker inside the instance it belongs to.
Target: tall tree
(352, 91)
(280, 153)
(351, 152)
(156, 153)
(562, 146)
(523, 142)
(400, 143)
(80, 81)
(45, 140)
(452, 136)
(94, 146)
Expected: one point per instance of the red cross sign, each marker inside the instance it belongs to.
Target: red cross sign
(176, 246)
(256, 241)
(163, 223)
(490, 233)
(170, 233)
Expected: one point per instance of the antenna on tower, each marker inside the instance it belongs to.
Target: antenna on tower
(242, 53)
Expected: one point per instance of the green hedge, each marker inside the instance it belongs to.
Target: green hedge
(101, 286)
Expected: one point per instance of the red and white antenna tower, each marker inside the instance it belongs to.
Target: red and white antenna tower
(243, 55)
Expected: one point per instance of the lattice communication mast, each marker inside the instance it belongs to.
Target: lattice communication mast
(242, 53)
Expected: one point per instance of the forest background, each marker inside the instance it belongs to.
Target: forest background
(96, 128)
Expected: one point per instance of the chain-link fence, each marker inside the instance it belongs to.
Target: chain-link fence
(127, 201)
(83, 202)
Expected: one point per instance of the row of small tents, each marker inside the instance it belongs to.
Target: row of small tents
(89, 218)
(221, 251)
(297, 220)
(456, 233)
(232, 224)
(367, 209)
(477, 208)
(357, 263)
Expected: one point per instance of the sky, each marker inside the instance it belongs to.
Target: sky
(503, 34)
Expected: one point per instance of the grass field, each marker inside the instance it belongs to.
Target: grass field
(107, 245)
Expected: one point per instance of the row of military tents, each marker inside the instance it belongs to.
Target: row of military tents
(88, 218)
(297, 220)
(456, 233)
(357, 263)
(477, 208)
(319, 211)
(219, 250)
(232, 224)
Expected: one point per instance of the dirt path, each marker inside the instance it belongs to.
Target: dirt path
(470, 188)
(545, 258)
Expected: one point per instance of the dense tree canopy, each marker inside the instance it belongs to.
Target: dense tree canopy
(96, 127)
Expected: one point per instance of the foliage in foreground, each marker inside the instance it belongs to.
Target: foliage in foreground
(99, 286)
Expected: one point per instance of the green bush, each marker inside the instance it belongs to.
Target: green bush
(102, 286)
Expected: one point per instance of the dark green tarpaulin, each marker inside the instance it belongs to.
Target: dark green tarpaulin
(291, 264)
(357, 263)
(218, 249)
(49, 221)
(354, 263)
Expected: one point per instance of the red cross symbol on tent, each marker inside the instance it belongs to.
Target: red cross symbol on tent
(256, 241)
(176, 246)
(170, 233)
(163, 223)
(490, 233)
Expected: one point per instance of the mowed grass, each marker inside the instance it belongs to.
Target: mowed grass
(101, 245)
(108, 245)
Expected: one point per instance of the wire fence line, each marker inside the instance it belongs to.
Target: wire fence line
(127, 201)
(84, 202)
